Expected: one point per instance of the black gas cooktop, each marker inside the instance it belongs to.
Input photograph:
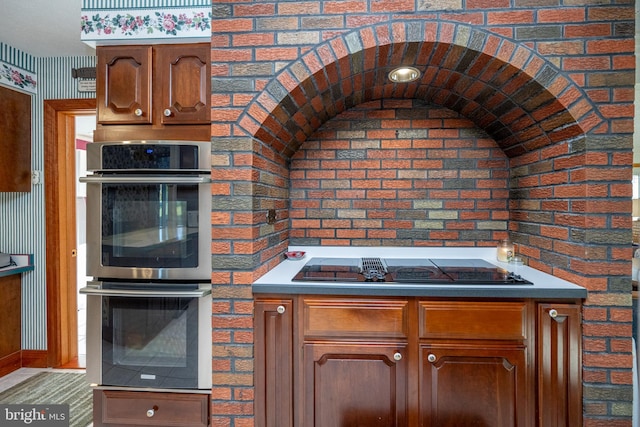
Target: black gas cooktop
(407, 270)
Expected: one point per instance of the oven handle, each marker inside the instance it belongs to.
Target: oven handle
(165, 179)
(198, 293)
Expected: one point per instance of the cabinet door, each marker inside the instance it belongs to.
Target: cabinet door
(473, 386)
(15, 143)
(274, 363)
(559, 362)
(184, 80)
(355, 384)
(124, 85)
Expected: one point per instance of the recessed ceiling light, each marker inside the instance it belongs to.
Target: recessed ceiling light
(404, 74)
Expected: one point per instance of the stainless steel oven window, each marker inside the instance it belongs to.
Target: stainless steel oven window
(160, 341)
(149, 228)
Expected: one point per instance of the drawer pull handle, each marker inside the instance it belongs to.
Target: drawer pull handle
(397, 356)
(432, 358)
(281, 309)
(167, 112)
(151, 412)
(138, 112)
(553, 313)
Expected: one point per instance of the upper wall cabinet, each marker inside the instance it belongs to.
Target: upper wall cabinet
(15, 141)
(154, 92)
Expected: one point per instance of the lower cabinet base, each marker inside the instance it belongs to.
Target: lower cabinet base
(113, 408)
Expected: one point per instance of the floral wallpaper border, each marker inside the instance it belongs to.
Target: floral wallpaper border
(141, 24)
(17, 78)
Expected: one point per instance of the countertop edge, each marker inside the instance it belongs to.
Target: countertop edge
(278, 280)
(422, 291)
(24, 263)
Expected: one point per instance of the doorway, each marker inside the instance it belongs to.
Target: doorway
(61, 233)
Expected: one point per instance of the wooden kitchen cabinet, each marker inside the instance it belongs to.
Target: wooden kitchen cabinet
(114, 408)
(274, 362)
(354, 366)
(473, 364)
(355, 384)
(10, 323)
(473, 385)
(428, 362)
(15, 144)
(559, 373)
(153, 92)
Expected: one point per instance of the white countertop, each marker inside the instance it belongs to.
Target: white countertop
(24, 262)
(278, 280)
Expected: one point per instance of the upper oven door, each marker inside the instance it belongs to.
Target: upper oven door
(149, 227)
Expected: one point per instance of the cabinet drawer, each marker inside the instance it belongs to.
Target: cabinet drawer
(355, 318)
(116, 407)
(473, 320)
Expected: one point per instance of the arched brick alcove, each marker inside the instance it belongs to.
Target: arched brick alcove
(521, 100)
(568, 171)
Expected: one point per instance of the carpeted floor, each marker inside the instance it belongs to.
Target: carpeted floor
(55, 388)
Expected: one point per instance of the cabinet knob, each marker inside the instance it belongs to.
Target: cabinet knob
(432, 358)
(281, 309)
(167, 112)
(553, 313)
(151, 412)
(138, 112)
(397, 356)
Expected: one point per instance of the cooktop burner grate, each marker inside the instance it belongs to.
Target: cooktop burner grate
(373, 264)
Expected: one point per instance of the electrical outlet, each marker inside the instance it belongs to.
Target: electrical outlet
(36, 177)
(271, 216)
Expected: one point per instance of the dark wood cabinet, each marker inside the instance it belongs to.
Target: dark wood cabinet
(354, 367)
(354, 384)
(10, 327)
(416, 362)
(559, 372)
(274, 363)
(153, 92)
(15, 144)
(473, 364)
(124, 84)
(115, 408)
(473, 385)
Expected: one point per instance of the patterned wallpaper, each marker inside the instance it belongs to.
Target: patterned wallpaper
(22, 226)
(145, 20)
(17, 69)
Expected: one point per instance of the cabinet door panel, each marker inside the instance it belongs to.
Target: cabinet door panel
(482, 387)
(559, 365)
(185, 84)
(274, 363)
(124, 85)
(355, 385)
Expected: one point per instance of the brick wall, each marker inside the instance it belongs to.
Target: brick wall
(399, 173)
(545, 91)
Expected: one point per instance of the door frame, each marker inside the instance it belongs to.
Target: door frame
(60, 223)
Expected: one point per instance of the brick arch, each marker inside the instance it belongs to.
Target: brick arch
(521, 99)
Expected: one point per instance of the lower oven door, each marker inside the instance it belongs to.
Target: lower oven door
(158, 338)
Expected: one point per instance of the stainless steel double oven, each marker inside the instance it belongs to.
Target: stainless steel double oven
(149, 252)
